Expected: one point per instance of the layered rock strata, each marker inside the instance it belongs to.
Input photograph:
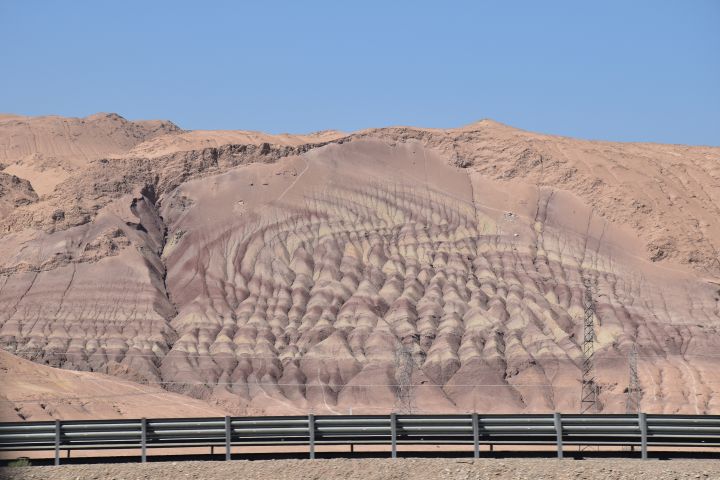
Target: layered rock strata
(394, 269)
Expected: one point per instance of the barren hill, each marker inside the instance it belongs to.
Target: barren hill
(435, 270)
(47, 150)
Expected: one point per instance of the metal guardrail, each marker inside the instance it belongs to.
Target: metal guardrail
(557, 430)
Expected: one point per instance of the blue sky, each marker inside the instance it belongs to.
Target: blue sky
(616, 70)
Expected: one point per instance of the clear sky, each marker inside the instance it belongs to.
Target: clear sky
(616, 70)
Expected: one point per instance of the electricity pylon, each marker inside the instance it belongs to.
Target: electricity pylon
(589, 393)
(632, 397)
(403, 375)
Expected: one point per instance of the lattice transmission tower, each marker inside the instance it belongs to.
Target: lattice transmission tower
(589, 393)
(632, 396)
(404, 365)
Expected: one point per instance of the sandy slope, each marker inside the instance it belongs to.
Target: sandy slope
(325, 272)
(37, 392)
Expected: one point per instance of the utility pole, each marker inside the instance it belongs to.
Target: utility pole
(403, 375)
(632, 398)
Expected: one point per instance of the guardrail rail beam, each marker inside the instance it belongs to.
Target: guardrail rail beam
(694, 432)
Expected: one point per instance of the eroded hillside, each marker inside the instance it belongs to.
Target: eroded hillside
(326, 272)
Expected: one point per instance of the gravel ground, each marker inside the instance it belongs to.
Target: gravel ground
(376, 469)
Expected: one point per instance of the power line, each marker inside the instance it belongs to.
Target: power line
(282, 356)
(335, 385)
(163, 392)
(266, 384)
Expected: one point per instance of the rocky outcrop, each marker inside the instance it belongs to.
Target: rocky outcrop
(14, 192)
(78, 199)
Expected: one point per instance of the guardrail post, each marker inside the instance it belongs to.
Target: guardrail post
(557, 419)
(143, 439)
(476, 435)
(393, 434)
(228, 438)
(311, 434)
(642, 422)
(57, 442)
